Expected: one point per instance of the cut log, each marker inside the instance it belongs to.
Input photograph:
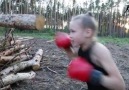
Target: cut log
(12, 78)
(22, 21)
(37, 58)
(28, 57)
(35, 63)
(11, 50)
(25, 50)
(13, 58)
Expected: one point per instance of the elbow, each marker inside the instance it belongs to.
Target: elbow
(120, 84)
(115, 83)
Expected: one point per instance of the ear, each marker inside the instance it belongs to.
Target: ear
(88, 33)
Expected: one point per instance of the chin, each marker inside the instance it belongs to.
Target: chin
(75, 45)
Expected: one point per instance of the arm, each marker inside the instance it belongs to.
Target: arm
(63, 42)
(71, 52)
(114, 80)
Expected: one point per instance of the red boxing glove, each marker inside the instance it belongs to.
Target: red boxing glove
(62, 40)
(80, 69)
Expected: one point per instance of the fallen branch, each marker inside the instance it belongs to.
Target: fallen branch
(50, 41)
(6, 88)
(52, 70)
(6, 42)
(35, 63)
(23, 52)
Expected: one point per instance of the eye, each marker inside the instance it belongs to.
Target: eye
(72, 31)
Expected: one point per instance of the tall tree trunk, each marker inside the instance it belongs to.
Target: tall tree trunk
(113, 27)
(54, 9)
(110, 23)
(6, 6)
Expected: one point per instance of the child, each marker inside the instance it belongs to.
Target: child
(83, 31)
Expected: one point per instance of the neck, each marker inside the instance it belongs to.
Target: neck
(87, 44)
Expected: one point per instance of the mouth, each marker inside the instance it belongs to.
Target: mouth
(73, 43)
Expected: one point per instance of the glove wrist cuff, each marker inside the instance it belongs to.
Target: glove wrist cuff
(96, 77)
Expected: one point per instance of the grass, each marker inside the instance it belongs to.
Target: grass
(35, 35)
(120, 41)
(46, 34)
(104, 40)
(49, 34)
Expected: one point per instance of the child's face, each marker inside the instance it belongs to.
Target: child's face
(78, 35)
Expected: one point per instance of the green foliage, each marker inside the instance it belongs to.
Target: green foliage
(2, 31)
(46, 33)
(49, 34)
(119, 41)
(47, 30)
(35, 35)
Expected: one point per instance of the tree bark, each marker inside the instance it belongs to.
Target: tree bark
(37, 58)
(13, 58)
(35, 63)
(16, 42)
(6, 87)
(12, 50)
(22, 21)
(12, 78)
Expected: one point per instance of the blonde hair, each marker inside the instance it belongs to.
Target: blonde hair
(87, 21)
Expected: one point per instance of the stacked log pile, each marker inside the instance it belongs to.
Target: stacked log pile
(14, 59)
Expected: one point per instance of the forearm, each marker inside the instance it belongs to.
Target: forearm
(113, 83)
(71, 54)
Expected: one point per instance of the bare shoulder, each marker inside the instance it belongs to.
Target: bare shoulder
(106, 61)
(100, 49)
(102, 53)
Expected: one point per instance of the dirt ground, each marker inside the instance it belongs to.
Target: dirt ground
(52, 75)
